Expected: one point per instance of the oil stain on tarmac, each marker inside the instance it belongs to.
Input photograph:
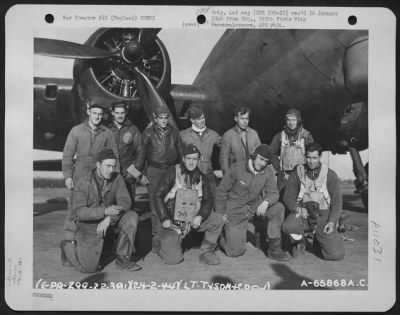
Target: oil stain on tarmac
(252, 270)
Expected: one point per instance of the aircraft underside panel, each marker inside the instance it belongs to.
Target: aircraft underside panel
(271, 71)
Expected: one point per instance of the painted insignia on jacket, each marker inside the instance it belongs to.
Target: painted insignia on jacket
(127, 138)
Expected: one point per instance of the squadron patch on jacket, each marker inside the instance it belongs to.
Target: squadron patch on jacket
(127, 138)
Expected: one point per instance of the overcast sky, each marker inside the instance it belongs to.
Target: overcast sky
(187, 49)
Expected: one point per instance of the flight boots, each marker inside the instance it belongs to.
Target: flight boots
(275, 251)
(299, 248)
(124, 262)
(208, 255)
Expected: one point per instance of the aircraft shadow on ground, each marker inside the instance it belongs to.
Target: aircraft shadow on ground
(353, 203)
(49, 206)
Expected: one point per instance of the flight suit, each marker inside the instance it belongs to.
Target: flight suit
(85, 143)
(238, 195)
(82, 246)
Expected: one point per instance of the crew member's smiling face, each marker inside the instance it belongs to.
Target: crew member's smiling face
(119, 114)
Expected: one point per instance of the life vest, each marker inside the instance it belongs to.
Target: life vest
(187, 196)
(292, 153)
(314, 190)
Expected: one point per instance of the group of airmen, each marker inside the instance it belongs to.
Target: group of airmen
(284, 188)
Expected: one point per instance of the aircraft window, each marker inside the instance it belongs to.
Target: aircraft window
(51, 91)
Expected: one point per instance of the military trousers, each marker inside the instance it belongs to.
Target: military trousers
(84, 251)
(170, 249)
(131, 187)
(329, 246)
(154, 176)
(234, 237)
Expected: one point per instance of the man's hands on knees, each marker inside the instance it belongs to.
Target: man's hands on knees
(69, 183)
(329, 227)
(262, 208)
(103, 226)
(196, 222)
(113, 210)
(167, 224)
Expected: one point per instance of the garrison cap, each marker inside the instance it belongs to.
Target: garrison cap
(106, 154)
(94, 105)
(190, 149)
(118, 104)
(195, 112)
(161, 111)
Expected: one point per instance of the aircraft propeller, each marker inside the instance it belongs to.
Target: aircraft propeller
(64, 49)
(118, 64)
(149, 96)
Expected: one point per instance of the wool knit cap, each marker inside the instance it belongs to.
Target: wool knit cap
(264, 150)
(190, 149)
(106, 154)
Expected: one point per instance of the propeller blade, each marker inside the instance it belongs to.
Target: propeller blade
(150, 98)
(64, 49)
(148, 35)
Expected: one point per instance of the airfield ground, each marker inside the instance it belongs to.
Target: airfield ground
(254, 268)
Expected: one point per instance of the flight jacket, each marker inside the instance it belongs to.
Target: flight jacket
(241, 188)
(333, 184)
(163, 147)
(88, 203)
(130, 145)
(165, 210)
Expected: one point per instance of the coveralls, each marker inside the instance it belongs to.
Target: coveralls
(90, 198)
(85, 143)
(238, 195)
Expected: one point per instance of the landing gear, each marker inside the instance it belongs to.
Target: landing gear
(361, 174)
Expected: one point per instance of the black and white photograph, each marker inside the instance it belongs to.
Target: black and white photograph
(225, 152)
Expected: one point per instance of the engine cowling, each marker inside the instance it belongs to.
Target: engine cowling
(112, 79)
